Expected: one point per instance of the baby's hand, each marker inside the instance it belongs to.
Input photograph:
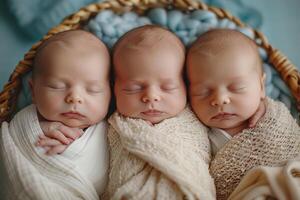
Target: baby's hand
(60, 132)
(52, 146)
(258, 114)
(57, 137)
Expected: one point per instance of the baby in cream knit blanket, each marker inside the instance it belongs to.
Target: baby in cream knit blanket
(226, 88)
(158, 148)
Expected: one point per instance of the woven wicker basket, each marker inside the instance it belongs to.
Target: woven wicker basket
(8, 97)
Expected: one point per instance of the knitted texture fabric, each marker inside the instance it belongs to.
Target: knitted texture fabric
(274, 140)
(36, 17)
(168, 160)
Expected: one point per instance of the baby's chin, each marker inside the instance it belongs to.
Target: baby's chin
(232, 128)
(72, 123)
(154, 120)
(158, 119)
(76, 124)
(151, 120)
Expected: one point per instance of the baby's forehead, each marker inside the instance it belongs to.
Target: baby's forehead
(220, 40)
(75, 40)
(147, 38)
(224, 45)
(70, 41)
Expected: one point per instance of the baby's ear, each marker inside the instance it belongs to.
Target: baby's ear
(31, 86)
(262, 83)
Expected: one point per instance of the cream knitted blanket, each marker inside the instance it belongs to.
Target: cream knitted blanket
(29, 173)
(274, 140)
(263, 182)
(166, 161)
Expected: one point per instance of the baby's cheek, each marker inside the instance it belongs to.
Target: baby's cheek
(248, 109)
(127, 107)
(197, 110)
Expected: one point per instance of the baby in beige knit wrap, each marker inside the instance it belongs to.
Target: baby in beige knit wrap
(226, 88)
(158, 148)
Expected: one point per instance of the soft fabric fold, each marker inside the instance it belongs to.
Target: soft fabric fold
(29, 173)
(263, 182)
(274, 140)
(168, 160)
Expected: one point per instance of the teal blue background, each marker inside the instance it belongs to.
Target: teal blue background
(280, 24)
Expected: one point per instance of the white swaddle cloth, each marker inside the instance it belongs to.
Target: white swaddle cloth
(30, 174)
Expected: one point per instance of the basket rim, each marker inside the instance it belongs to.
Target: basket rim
(8, 96)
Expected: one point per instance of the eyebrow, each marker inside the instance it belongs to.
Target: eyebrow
(96, 82)
(239, 78)
(169, 80)
(133, 81)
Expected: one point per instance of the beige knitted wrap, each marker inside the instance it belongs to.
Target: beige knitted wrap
(274, 140)
(166, 161)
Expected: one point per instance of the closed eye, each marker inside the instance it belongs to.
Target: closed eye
(238, 89)
(201, 93)
(169, 87)
(133, 89)
(95, 90)
(56, 87)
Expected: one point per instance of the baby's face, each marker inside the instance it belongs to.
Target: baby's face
(149, 84)
(226, 89)
(73, 87)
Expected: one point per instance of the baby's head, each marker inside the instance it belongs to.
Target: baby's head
(70, 81)
(148, 65)
(226, 80)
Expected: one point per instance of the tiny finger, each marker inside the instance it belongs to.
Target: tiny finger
(253, 121)
(73, 133)
(56, 150)
(47, 142)
(56, 134)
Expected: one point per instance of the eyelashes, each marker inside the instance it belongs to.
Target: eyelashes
(202, 93)
(92, 89)
(170, 87)
(56, 87)
(139, 88)
(238, 88)
(132, 89)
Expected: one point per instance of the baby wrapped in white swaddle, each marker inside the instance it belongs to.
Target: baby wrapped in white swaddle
(78, 173)
(70, 86)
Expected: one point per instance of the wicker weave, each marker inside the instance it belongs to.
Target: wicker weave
(8, 97)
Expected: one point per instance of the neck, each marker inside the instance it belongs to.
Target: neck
(237, 129)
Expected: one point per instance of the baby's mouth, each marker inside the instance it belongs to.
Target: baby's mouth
(73, 115)
(152, 113)
(223, 116)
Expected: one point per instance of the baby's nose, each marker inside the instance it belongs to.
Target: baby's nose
(220, 99)
(74, 98)
(151, 95)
